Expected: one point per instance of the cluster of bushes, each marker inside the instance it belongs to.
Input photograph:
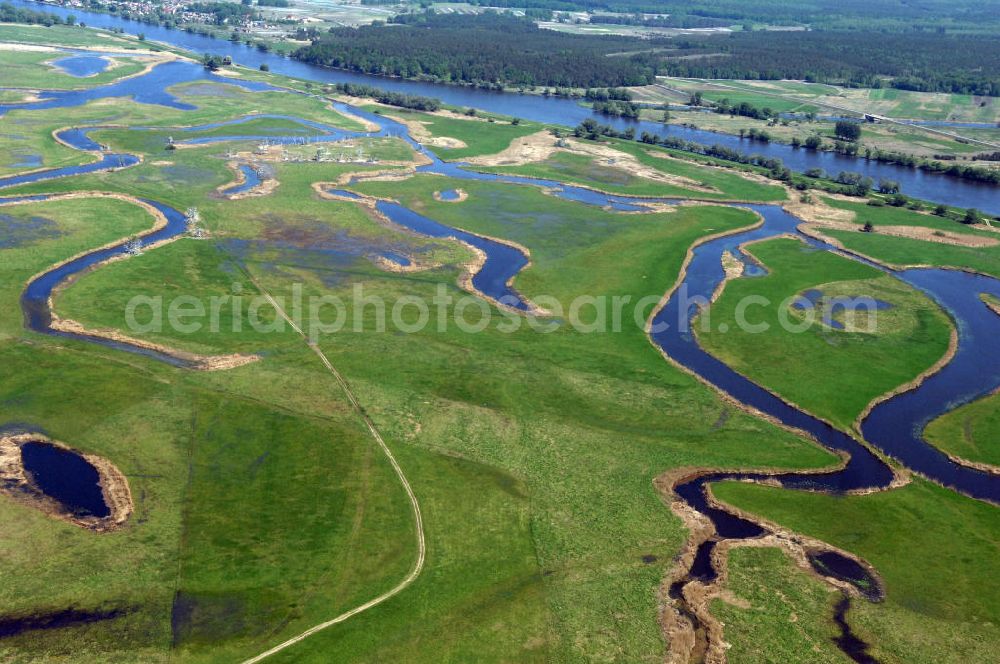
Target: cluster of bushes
(623, 109)
(415, 102)
(743, 109)
(11, 14)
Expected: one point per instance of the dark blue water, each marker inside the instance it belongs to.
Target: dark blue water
(35, 298)
(503, 262)
(82, 66)
(934, 187)
(397, 258)
(251, 179)
(449, 195)
(897, 425)
(66, 476)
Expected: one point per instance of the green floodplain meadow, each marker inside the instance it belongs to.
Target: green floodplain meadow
(264, 507)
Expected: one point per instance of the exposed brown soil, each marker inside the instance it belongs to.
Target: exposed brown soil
(17, 484)
(707, 643)
(820, 216)
(192, 360)
(992, 306)
(418, 130)
(522, 150)
(541, 145)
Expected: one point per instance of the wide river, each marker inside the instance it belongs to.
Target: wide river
(928, 186)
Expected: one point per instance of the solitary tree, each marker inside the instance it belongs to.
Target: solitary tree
(971, 216)
(847, 130)
(887, 186)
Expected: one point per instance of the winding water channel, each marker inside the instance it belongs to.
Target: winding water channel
(928, 186)
(893, 427)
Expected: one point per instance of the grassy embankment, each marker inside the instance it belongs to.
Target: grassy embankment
(908, 251)
(70, 37)
(479, 138)
(970, 432)
(595, 172)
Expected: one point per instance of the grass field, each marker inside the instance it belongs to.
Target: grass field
(888, 215)
(597, 173)
(544, 513)
(479, 139)
(906, 251)
(38, 70)
(775, 612)
(969, 432)
(263, 506)
(69, 36)
(889, 349)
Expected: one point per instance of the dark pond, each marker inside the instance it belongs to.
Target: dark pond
(66, 476)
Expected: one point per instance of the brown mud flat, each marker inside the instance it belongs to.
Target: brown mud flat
(418, 130)
(17, 483)
(991, 305)
(193, 361)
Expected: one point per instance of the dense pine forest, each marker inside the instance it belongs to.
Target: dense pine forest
(864, 15)
(496, 49)
(487, 49)
(928, 62)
